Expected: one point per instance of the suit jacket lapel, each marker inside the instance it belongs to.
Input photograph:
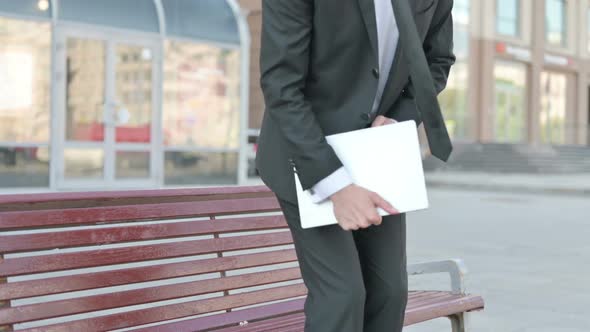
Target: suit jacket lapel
(368, 12)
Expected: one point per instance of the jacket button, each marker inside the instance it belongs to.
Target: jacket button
(375, 72)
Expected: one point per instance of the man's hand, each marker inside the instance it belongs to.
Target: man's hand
(382, 121)
(356, 207)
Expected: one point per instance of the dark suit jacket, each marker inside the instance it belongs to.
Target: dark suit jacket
(319, 66)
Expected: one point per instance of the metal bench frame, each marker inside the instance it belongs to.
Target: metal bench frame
(457, 272)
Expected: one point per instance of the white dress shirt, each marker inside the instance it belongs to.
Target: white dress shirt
(387, 36)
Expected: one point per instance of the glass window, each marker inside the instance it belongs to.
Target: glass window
(85, 90)
(25, 72)
(453, 99)
(32, 8)
(510, 102)
(25, 56)
(24, 166)
(82, 163)
(553, 106)
(461, 33)
(112, 13)
(132, 164)
(202, 104)
(556, 22)
(461, 11)
(200, 168)
(133, 91)
(508, 17)
(203, 20)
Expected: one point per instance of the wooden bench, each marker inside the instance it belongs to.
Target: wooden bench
(210, 259)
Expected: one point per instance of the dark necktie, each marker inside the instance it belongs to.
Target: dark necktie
(424, 90)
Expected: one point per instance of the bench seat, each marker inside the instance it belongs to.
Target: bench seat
(174, 260)
(422, 306)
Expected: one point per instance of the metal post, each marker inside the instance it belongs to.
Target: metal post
(55, 153)
(244, 31)
(458, 323)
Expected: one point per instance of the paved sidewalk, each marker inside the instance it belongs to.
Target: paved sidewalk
(566, 184)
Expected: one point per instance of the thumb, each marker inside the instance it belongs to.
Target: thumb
(379, 121)
(382, 203)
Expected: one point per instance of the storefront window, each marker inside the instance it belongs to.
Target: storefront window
(85, 90)
(112, 95)
(25, 57)
(453, 99)
(556, 22)
(133, 90)
(508, 17)
(553, 106)
(24, 166)
(201, 97)
(203, 168)
(201, 109)
(510, 102)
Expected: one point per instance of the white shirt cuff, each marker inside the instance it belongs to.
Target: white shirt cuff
(330, 185)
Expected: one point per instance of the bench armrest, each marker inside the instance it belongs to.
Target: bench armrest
(454, 267)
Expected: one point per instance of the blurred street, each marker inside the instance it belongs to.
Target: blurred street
(527, 256)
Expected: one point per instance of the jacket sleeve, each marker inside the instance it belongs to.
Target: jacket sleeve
(438, 47)
(285, 49)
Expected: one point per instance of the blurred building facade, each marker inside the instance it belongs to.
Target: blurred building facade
(157, 93)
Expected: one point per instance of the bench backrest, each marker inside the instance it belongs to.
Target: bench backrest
(110, 260)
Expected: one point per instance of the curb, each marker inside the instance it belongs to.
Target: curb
(512, 189)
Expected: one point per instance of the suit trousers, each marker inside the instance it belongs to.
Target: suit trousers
(356, 280)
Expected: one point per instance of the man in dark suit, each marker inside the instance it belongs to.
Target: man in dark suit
(332, 66)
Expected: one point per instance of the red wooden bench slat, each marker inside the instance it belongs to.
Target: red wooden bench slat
(175, 311)
(29, 200)
(295, 325)
(230, 318)
(86, 304)
(101, 257)
(430, 297)
(116, 234)
(415, 294)
(446, 305)
(295, 328)
(272, 310)
(441, 304)
(271, 324)
(57, 285)
(93, 215)
(443, 308)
